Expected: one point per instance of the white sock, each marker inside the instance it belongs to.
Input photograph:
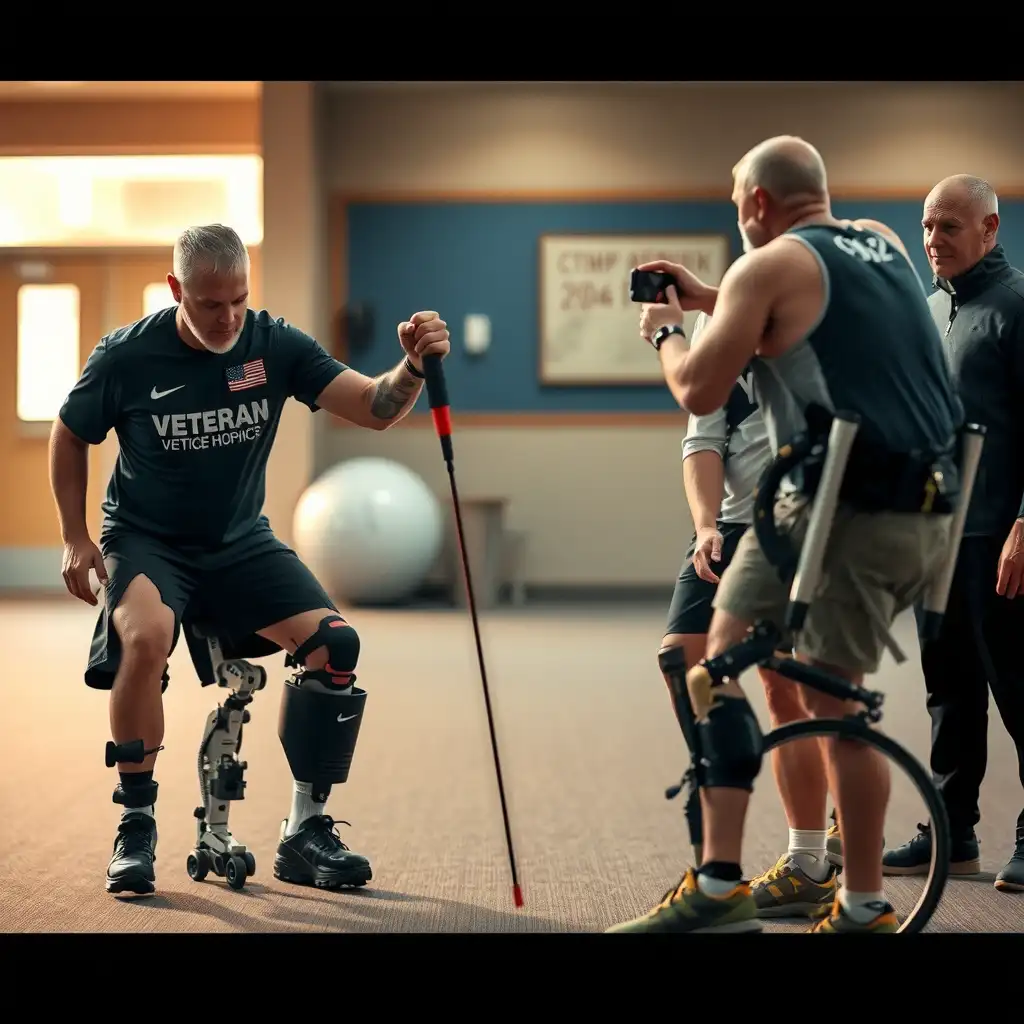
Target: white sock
(714, 886)
(862, 907)
(303, 807)
(146, 809)
(807, 850)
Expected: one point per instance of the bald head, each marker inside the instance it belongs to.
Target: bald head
(965, 192)
(960, 222)
(779, 181)
(788, 168)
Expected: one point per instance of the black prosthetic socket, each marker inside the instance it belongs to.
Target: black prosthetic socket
(672, 662)
(722, 870)
(731, 743)
(318, 728)
(322, 710)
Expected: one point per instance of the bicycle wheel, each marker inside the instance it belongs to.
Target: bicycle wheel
(858, 729)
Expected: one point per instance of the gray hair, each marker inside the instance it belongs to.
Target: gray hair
(209, 247)
(789, 169)
(978, 192)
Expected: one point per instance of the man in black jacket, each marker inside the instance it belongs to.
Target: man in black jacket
(978, 306)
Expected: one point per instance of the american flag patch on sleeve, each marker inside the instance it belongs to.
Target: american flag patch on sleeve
(246, 375)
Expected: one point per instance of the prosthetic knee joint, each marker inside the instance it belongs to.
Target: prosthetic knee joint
(220, 772)
(727, 730)
(322, 710)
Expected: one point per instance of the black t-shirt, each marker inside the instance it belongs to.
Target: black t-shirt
(195, 428)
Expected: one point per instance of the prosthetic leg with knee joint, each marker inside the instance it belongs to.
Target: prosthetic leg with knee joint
(220, 772)
(722, 734)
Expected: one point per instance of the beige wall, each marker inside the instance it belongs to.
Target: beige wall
(604, 504)
(294, 269)
(599, 503)
(650, 137)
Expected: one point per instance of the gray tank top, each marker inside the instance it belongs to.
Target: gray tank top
(738, 434)
(874, 351)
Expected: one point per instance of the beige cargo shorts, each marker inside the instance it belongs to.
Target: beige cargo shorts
(876, 565)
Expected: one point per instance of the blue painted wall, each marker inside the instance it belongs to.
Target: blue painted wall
(464, 258)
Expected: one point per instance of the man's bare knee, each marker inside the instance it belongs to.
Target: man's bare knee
(145, 627)
(146, 650)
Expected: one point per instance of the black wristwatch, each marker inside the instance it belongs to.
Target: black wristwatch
(664, 332)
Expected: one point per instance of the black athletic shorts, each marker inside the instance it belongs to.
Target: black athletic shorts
(250, 584)
(691, 609)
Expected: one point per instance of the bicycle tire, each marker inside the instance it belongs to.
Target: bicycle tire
(858, 729)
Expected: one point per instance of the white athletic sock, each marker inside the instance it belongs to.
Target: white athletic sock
(303, 807)
(862, 907)
(132, 781)
(807, 850)
(303, 804)
(714, 886)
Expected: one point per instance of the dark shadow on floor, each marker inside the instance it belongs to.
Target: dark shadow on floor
(260, 909)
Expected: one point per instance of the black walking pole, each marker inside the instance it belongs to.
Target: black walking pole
(437, 395)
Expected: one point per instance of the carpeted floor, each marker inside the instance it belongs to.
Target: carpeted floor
(588, 746)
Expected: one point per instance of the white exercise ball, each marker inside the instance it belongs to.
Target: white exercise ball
(370, 529)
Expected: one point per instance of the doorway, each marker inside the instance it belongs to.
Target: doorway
(55, 305)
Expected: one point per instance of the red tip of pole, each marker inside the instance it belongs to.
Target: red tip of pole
(442, 420)
(517, 895)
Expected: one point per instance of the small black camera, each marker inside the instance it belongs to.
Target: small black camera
(649, 285)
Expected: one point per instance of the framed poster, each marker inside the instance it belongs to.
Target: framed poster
(589, 329)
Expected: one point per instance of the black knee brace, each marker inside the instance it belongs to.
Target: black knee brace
(342, 644)
(322, 710)
(731, 744)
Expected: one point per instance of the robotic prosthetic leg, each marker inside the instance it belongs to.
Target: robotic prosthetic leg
(220, 773)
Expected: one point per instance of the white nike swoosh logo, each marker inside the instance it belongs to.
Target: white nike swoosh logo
(347, 718)
(154, 394)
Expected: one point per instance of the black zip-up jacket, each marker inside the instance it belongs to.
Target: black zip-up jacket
(981, 317)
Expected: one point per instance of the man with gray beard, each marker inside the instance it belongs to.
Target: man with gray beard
(195, 394)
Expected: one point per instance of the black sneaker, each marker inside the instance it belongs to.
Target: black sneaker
(131, 867)
(315, 855)
(1011, 878)
(915, 856)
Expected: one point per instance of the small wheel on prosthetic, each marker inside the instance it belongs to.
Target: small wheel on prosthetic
(221, 774)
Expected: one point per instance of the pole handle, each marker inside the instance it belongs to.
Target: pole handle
(437, 397)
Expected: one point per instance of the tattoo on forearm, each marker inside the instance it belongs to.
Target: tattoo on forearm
(395, 390)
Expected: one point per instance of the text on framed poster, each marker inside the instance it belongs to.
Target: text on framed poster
(589, 328)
